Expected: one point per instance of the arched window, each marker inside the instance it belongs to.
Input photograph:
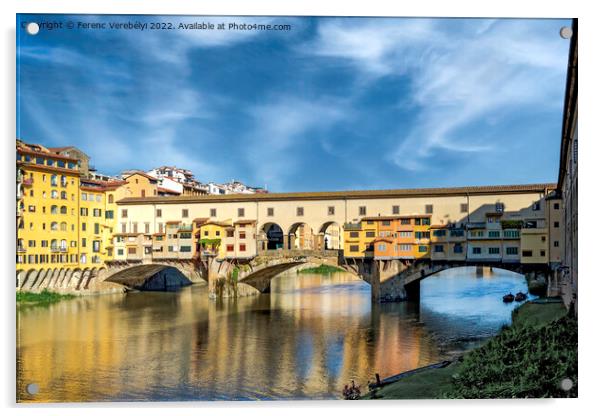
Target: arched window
(63, 209)
(54, 245)
(54, 209)
(54, 194)
(63, 226)
(64, 245)
(63, 180)
(110, 198)
(54, 226)
(63, 195)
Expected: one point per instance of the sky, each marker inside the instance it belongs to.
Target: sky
(331, 104)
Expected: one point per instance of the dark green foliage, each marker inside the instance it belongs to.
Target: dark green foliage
(322, 269)
(522, 361)
(44, 297)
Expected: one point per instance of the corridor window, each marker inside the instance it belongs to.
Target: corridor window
(213, 212)
(124, 213)
(428, 208)
(362, 211)
(464, 208)
(330, 210)
(299, 211)
(241, 212)
(184, 213)
(159, 213)
(395, 210)
(270, 212)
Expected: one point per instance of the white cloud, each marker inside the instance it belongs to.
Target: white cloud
(459, 73)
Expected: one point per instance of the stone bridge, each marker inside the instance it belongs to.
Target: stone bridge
(398, 280)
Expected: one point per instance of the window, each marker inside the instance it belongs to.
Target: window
(299, 211)
(423, 249)
(405, 247)
(54, 194)
(405, 221)
(354, 248)
(476, 250)
(229, 233)
(54, 226)
(458, 248)
(536, 206)
(499, 207)
(370, 234)
(230, 248)
(146, 227)
(242, 235)
(270, 212)
(527, 253)
(382, 247)
(120, 252)
(542, 253)
(97, 212)
(494, 250)
(124, 213)
(387, 222)
(160, 225)
(556, 244)
(330, 210)
(354, 234)
(63, 210)
(241, 212)
(53, 181)
(111, 198)
(556, 205)
(556, 224)
(395, 210)
(159, 213)
(428, 208)
(131, 250)
(96, 246)
(464, 207)
(493, 234)
(64, 195)
(476, 233)
(83, 226)
(96, 228)
(512, 251)
(511, 234)
(439, 248)
(439, 233)
(405, 234)
(123, 227)
(362, 211)
(213, 212)
(184, 213)
(186, 249)
(83, 242)
(543, 238)
(242, 247)
(422, 234)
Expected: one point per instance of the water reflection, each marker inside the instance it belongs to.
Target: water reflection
(307, 339)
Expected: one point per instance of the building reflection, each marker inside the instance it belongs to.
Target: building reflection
(307, 339)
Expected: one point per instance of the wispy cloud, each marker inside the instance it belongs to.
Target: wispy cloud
(459, 74)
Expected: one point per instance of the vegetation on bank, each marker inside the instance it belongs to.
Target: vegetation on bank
(45, 297)
(530, 358)
(322, 269)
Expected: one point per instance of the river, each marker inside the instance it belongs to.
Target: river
(305, 340)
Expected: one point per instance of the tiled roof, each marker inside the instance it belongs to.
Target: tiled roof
(372, 194)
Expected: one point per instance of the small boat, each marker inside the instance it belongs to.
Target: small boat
(508, 298)
(520, 296)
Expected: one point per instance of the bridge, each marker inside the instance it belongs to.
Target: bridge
(390, 280)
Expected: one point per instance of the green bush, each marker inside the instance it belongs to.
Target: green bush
(44, 297)
(523, 361)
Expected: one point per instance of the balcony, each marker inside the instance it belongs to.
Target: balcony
(185, 228)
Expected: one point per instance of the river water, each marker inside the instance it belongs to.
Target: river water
(305, 340)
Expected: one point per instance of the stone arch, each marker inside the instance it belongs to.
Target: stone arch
(59, 278)
(93, 275)
(20, 277)
(84, 276)
(42, 277)
(30, 276)
(270, 236)
(330, 236)
(300, 236)
(72, 278)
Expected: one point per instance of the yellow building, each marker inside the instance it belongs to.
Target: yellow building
(534, 242)
(47, 209)
(139, 185)
(210, 237)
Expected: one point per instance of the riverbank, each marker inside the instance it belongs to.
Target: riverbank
(538, 351)
(45, 297)
(321, 269)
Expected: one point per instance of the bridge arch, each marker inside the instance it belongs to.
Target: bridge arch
(271, 237)
(330, 236)
(300, 236)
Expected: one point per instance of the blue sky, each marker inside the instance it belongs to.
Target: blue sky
(332, 104)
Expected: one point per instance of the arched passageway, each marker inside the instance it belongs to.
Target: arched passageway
(271, 237)
(330, 236)
(300, 237)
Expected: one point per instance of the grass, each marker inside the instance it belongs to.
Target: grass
(425, 385)
(527, 359)
(45, 297)
(322, 269)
